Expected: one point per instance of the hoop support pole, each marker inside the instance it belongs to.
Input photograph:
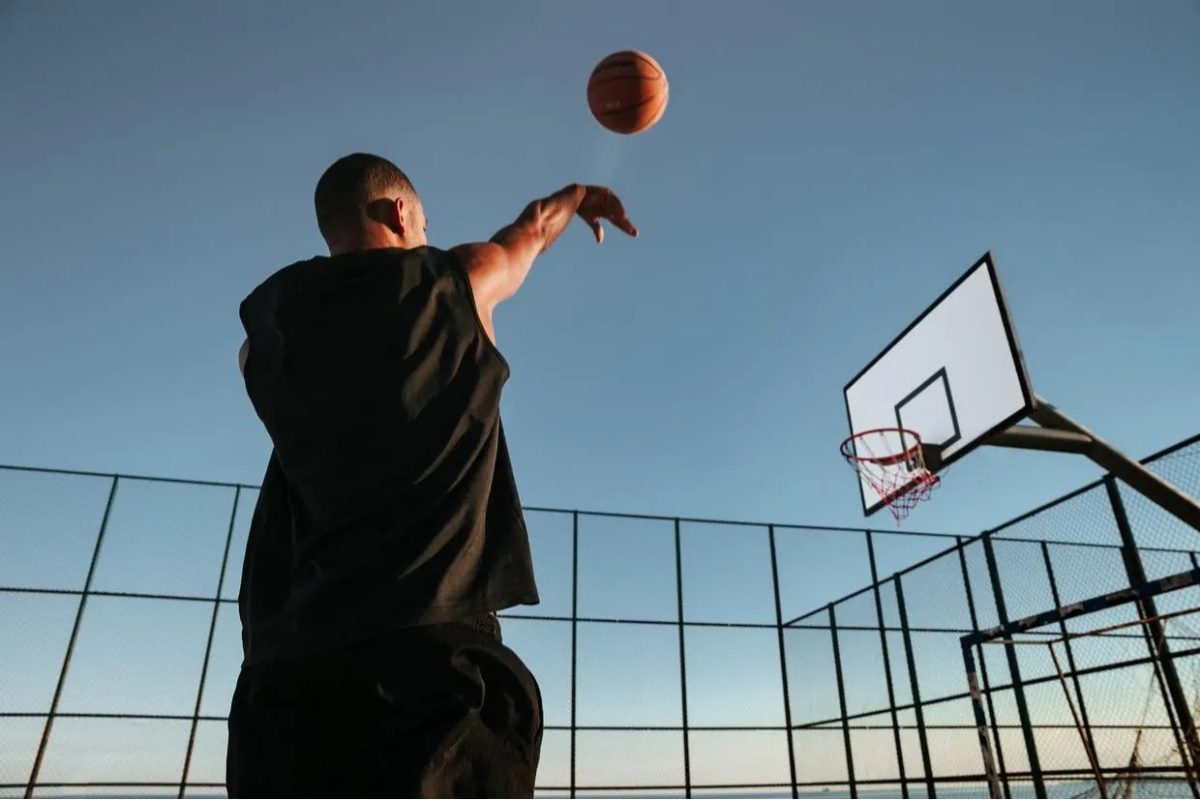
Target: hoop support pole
(1060, 433)
(1031, 437)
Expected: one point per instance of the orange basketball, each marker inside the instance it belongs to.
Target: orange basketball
(627, 92)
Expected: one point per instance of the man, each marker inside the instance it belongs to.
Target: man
(388, 532)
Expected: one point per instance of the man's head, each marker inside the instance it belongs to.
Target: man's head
(365, 202)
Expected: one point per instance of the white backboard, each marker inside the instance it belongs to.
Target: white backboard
(955, 375)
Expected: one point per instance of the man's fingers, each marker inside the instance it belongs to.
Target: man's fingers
(619, 219)
(602, 204)
(616, 214)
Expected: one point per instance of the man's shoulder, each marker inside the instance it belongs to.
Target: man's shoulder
(322, 273)
(427, 259)
(334, 266)
(296, 269)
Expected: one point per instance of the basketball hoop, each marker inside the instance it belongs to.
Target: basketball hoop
(892, 462)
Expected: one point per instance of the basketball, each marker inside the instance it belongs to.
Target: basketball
(627, 92)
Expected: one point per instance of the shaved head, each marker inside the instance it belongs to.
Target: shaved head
(356, 193)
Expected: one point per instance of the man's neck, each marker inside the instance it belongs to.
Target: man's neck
(369, 243)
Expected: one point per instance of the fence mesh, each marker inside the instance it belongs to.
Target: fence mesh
(730, 667)
(1103, 711)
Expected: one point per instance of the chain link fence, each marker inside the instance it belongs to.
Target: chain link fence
(676, 657)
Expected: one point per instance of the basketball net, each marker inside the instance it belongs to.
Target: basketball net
(892, 463)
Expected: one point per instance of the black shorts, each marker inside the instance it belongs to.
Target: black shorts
(434, 711)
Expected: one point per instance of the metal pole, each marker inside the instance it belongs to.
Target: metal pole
(930, 787)
(1014, 668)
(783, 671)
(1160, 650)
(981, 728)
(66, 665)
(574, 632)
(1031, 437)
(1089, 741)
(841, 686)
(1141, 479)
(212, 629)
(887, 665)
(1165, 699)
(1084, 736)
(983, 673)
(687, 760)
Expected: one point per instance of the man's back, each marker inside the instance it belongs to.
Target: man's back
(389, 500)
(389, 529)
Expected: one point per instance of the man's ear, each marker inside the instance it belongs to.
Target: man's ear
(390, 213)
(396, 223)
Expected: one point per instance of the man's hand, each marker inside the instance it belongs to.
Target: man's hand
(600, 203)
(497, 268)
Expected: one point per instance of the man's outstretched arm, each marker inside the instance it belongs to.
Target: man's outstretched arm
(498, 267)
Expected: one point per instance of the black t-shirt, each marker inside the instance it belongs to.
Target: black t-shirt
(389, 499)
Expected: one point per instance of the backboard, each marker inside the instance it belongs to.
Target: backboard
(955, 375)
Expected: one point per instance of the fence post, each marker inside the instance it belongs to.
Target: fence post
(981, 730)
(1062, 627)
(1014, 669)
(574, 632)
(1160, 650)
(687, 761)
(991, 707)
(887, 665)
(212, 629)
(930, 787)
(783, 671)
(66, 665)
(841, 686)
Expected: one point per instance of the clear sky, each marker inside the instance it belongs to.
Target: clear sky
(823, 172)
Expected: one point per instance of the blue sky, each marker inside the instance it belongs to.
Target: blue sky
(824, 171)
